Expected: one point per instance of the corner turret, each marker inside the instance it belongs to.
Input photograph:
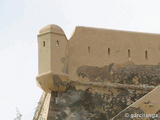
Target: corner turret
(52, 56)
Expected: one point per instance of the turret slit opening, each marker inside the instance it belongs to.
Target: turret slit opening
(44, 44)
(57, 43)
(89, 50)
(109, 51)
(146, 54)
(129, 53)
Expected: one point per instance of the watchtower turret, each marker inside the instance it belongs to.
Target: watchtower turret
(52, 55)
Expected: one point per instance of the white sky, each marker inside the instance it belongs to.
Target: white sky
(20, 21)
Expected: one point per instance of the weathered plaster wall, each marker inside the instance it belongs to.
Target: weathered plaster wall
(86, 102)
(89, 46)
(123, 74)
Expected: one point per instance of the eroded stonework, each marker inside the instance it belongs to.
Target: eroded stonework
(124, 74)
(84, 105)
(90, 103)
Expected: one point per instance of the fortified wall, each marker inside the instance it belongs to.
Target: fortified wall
(94, 47)
(97, 73)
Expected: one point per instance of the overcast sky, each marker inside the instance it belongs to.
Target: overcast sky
(20, 21)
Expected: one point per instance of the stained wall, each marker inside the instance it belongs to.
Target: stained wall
(99, 47)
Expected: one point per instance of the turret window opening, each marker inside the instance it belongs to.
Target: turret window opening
(44, 44)
(146, 55)
(89, 50)
(109, 51)
(129, 53)
(57, 43)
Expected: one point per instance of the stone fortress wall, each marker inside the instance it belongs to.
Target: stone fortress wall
(94, 47)
(116, 68)
(99, 47)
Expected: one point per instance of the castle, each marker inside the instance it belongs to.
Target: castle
(93, 47)
(97, 74)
